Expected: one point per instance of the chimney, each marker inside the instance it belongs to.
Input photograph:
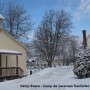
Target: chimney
(84, 39)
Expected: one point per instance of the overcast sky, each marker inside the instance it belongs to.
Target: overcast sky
(79, 9)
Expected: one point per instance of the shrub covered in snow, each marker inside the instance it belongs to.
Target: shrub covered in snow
(82, 64)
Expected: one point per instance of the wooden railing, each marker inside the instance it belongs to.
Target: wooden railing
(11, 71)
(1, 26)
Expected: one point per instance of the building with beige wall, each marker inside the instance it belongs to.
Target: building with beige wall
(12, 56)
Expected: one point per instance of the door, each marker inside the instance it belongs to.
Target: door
(0, 66)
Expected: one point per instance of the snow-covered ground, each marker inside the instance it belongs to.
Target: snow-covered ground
(56, 78)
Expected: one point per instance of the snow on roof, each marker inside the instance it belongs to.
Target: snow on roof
(88, 36)
(1, 17)
(31, 59)
(3, 51)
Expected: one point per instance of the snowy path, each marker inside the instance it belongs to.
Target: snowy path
(49, 76)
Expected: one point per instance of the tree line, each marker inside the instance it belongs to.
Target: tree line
(52, 38)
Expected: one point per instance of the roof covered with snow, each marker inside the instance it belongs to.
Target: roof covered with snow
(1, 17)
(88, 36)
(3, 51)
(31, 59)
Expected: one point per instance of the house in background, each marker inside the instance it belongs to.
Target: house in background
(88, 41)
(37, 62)
(12, 55)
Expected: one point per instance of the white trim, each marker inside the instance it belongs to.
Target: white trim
(5, 51)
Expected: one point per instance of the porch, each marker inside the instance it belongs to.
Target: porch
(7, 71)
(11, 71)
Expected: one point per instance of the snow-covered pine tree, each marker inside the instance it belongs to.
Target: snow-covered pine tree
(82, 64)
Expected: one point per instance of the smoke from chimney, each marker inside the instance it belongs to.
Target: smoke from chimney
(84, 39)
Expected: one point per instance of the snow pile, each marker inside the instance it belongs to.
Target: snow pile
(82, 64)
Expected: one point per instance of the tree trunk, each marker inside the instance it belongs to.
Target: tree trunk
(49, 64)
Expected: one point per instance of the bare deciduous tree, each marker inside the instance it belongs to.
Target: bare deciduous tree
(18, 24)
(73, 47)
(53, 27)
(1, 7)
(69, 46)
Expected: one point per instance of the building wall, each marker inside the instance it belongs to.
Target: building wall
(88, 42)
(7, 42)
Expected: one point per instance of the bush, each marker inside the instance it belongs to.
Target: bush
(82, 64)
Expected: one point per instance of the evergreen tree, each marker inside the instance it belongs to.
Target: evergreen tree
(82, 64)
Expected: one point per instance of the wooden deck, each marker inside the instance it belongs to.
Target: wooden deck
(10, 72)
